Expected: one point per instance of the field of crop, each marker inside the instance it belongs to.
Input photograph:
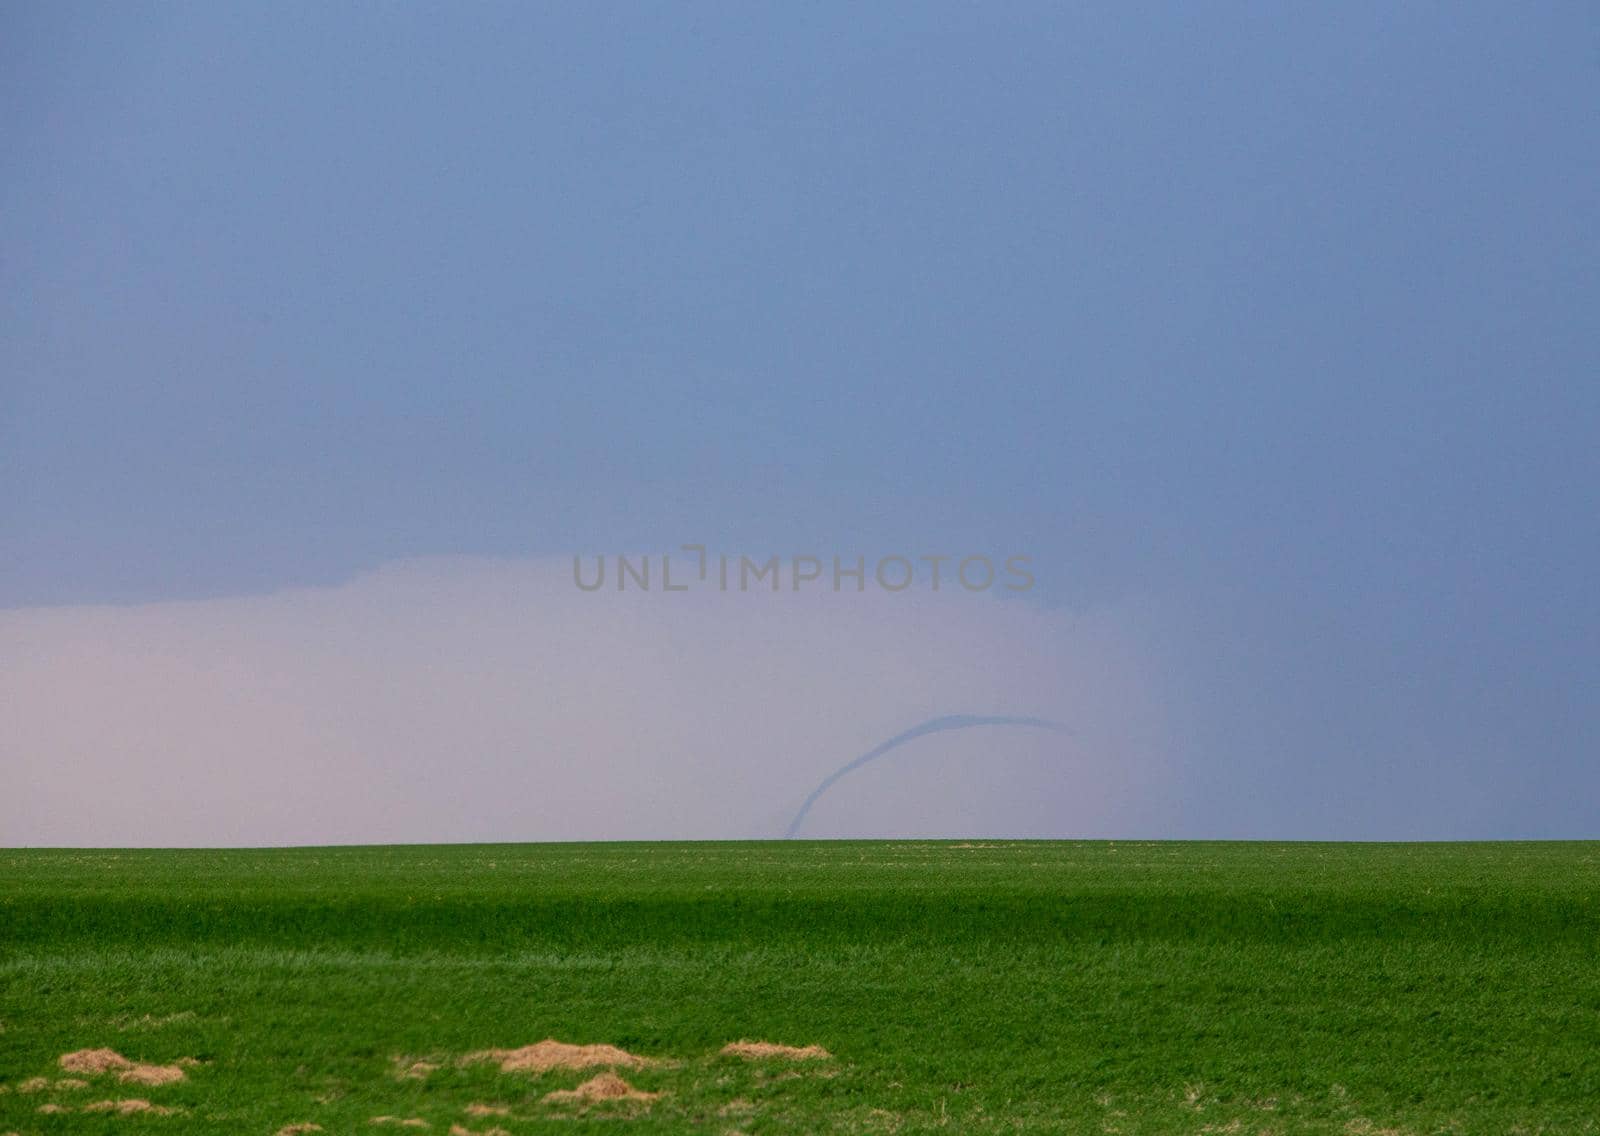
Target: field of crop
(994, 987)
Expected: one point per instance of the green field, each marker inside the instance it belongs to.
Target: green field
(997, 987)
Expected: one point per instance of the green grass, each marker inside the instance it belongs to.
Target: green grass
(1010, 987)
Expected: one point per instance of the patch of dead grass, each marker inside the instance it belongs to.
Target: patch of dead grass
(1361, 1126)
(768, 1050)
(98, 1062)
(605, 1087)
(127, 1107)
(476, 1109)
(153, 1076)
(93, 1061)
(412, 1069)
(543, 1056)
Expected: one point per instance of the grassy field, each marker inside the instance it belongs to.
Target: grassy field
(992, 987)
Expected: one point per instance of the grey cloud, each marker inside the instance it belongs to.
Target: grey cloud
(490, 700)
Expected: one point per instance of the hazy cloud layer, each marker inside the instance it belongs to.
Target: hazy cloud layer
(456, 700)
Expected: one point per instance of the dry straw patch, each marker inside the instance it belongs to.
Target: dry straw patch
(1361, 1126)
(476, 1109)
(94, 1061)
(767, 1050)
(457, 1130)
(127, 1107)
(299, 1129)
(543, 1056)
(97, 1062)
(883, 1120)
(406, 1122)
(411, 1069)
(605, 1087)
(45, 1084)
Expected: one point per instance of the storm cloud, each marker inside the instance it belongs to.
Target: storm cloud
(469, 699)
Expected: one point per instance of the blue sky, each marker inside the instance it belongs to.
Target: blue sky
(1270, 331)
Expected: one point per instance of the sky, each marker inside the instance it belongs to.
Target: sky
(330, 337)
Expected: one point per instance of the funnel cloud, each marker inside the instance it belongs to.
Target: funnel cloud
(489, 700)
(931, 726)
